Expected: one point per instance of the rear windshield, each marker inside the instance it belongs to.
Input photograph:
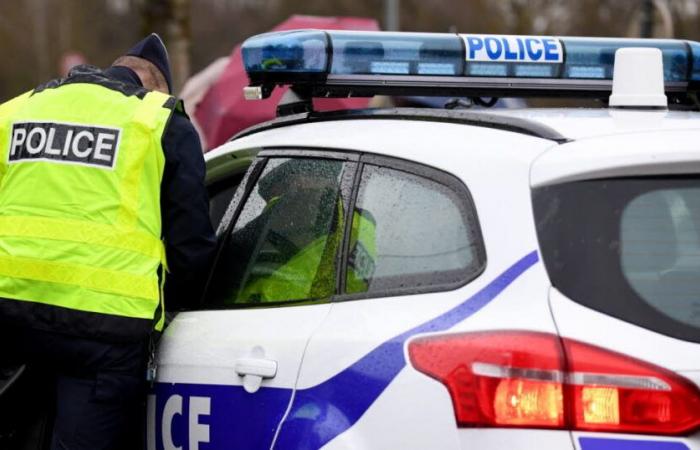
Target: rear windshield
(628, 247)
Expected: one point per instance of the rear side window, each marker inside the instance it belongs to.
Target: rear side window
(627, 247)
(411, 232)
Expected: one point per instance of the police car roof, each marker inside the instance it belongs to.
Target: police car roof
(556, 124)
(613, 143)
(318, 63)
(580, 123)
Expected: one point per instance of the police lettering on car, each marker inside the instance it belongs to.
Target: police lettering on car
(62, 142)
(536, 49)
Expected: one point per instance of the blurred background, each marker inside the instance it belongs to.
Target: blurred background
(42, 39)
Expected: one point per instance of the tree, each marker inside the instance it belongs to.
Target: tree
(197, 32)
(171, 20)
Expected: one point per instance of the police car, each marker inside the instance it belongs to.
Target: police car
(449, 278)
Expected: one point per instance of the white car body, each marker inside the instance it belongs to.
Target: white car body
(343, 377)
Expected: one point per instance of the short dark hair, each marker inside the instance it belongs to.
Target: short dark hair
(150, 76)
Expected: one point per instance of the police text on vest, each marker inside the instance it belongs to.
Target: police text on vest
(66, 143)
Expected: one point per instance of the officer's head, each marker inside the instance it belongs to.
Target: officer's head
(300, 177)
(149, 60)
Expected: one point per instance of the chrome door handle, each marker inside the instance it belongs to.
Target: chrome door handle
(253, 370)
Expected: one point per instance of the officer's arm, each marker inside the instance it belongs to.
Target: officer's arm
(187, 230)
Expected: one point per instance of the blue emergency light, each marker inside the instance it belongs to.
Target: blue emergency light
(348, 63)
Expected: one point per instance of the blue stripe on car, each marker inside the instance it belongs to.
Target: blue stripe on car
(590, 443)
(320, 413)
(336, 404)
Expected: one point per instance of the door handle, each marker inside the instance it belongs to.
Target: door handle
(253, 370)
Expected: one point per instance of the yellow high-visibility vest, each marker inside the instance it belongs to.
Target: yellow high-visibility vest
(81, 165)
(311, 272)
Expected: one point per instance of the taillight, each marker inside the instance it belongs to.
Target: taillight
(537, 380)
(613, 392)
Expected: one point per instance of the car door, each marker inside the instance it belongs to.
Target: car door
(227, 371)
(416, 264)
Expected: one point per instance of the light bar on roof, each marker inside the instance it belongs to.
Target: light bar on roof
(342, 63)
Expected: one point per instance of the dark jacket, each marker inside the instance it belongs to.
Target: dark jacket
(187, 230)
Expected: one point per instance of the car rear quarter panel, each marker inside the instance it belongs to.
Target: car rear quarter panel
(632, 154)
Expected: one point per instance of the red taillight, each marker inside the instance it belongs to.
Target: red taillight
(613, 392)
(497, 378)
(536, 380)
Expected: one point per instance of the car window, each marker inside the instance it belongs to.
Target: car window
(629, 247)
(660, 251)
(284, 243)
(410, 232)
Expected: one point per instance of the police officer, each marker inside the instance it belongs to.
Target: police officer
(101, 191)
(297, 235)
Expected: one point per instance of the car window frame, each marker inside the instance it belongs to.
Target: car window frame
(219, 187)
(222, 231)
(234, 206)
(361, 159)
(433, 174)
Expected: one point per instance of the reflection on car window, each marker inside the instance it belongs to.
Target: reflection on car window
(660, 251)
(284, 243)
(628, 247)
(409, 232)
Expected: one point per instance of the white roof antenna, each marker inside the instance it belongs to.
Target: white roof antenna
(638, 79)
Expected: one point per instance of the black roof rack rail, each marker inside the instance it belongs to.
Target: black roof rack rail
(476, 118)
